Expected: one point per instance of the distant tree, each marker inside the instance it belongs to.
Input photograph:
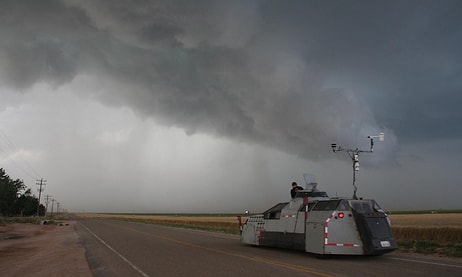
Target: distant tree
(9, 191)
(15, 199)
(26, 205)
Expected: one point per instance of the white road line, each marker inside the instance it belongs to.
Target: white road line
(117, 253)
(424, 262)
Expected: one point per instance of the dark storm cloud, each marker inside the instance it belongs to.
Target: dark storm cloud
(33, 47)
(406, 53)
(293, 76)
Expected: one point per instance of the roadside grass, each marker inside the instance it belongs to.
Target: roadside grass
(444, 241)
(32, 219)
(431, 248)
(452, 250)
(9, 220)
(212, 226)
(429, 233)
(203, 227)
(425, 212)
(441, 235)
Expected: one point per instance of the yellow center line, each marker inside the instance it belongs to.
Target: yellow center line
(256, 259)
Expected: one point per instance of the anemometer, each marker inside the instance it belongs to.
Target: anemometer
(354, 155)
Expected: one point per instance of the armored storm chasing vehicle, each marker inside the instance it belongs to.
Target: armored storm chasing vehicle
(316, 223)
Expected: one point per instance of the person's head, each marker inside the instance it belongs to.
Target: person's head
(294, 184)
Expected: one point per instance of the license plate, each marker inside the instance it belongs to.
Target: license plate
(385, 243)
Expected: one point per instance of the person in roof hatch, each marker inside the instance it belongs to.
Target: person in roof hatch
(295, 188)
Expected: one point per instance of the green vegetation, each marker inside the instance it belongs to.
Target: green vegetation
(8, 220)
(423, 247)
(452, 250)
(33, 220)
(16, 199)
(426, 212)
(430, 240)
(428, 247)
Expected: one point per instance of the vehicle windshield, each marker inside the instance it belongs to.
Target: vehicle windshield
(274, 212)
(365, 206)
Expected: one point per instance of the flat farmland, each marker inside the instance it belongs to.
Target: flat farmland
(225, 223)
(426, 220)
(429, 233)
(453, 220)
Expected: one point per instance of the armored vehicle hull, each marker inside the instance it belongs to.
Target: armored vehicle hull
(315, 223)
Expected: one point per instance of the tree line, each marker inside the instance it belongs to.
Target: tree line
(16, 199)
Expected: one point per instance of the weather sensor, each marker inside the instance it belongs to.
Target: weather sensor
(354, 155)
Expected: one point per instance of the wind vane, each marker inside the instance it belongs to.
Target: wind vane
(354, 155)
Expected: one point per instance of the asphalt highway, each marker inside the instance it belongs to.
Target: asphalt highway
(119, 248)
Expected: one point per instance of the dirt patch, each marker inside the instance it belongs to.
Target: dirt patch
(41, 250)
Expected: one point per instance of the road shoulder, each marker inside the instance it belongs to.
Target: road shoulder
(42, 250)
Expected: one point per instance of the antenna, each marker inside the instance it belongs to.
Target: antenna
(310, 180)
(354, 155)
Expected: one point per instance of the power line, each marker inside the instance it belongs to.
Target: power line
(14, 149)
(8, 153)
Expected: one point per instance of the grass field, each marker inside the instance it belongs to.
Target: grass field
(437, 233)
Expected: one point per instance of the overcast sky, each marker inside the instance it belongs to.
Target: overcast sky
(217, 106)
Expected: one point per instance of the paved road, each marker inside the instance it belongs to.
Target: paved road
(117, 248)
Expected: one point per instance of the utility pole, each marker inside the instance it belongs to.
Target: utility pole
(47, 200)
(52, 202)
(40, 183)
(57, 208)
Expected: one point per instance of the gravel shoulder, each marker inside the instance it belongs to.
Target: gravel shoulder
(42, 250)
